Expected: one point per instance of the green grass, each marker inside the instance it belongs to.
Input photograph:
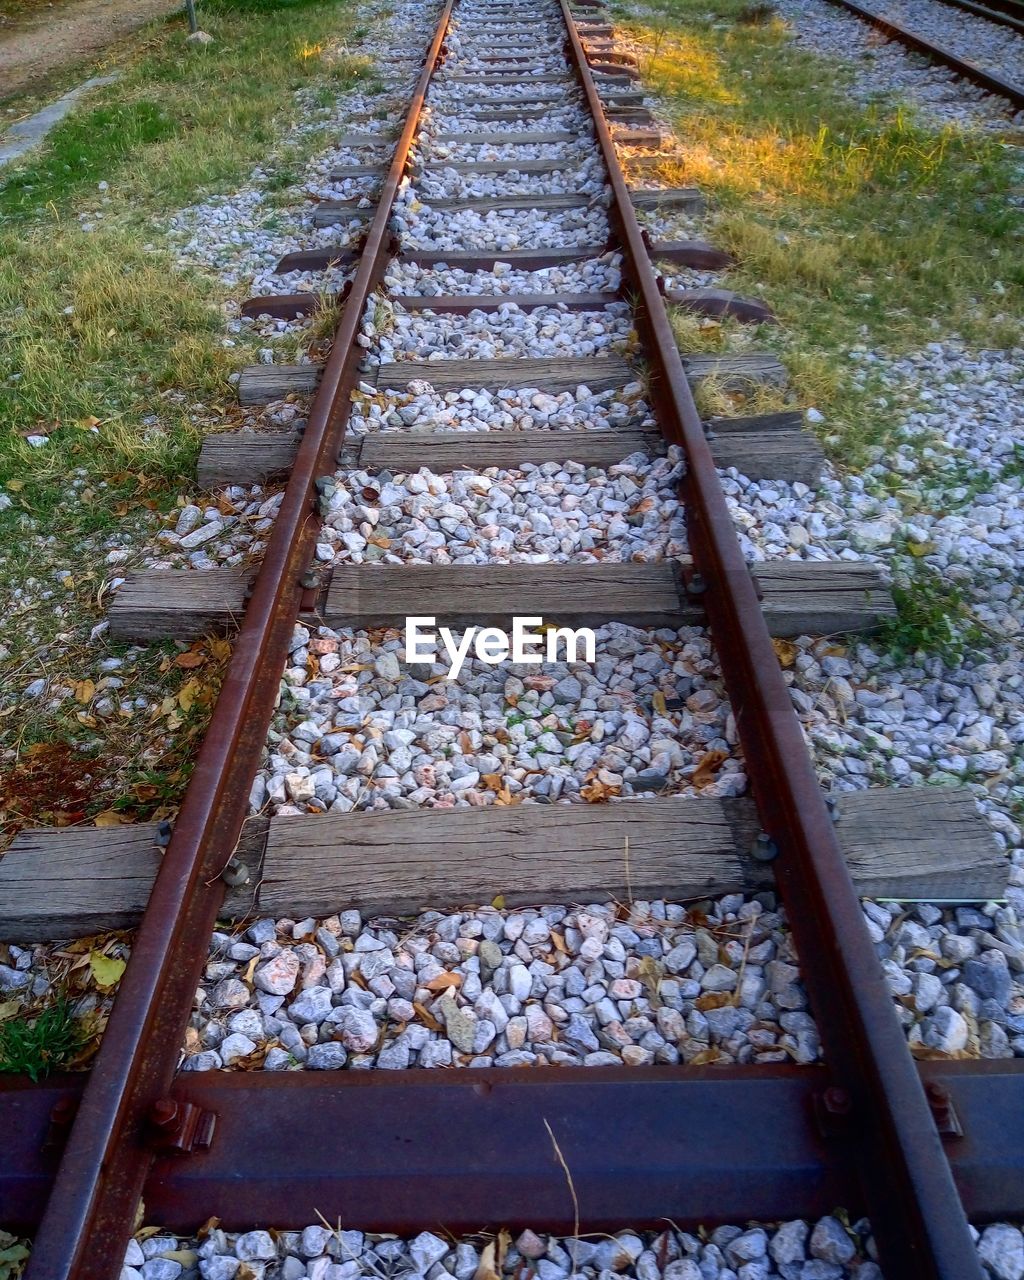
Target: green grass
(108, 325)
(36, 1044)
(933, 617)
(859, 225)
(117, 355)
(185, 118)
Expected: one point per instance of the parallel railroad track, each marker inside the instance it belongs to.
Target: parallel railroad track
(918, 1146)
(958, 60)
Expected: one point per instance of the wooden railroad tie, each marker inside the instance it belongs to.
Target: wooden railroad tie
(708, 302)
(800, 597)
(262, 384)
(327, 213)
(686, 253)
(916, 842)
(773, 447)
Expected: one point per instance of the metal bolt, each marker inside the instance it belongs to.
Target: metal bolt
(235, 873)
(696, 586)
(765, 849)
(837, 1101)
(63, 1111)
(310, 580)
(163, 834)
(163, 1114)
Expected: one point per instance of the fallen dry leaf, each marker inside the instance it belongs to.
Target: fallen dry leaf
(426, 1017)
(111, 818)
(704, 774)
(444, 981)
(187, 695)
(704, 1057)
(106, 970)
(785, 651)
(713, 1000)
(189, 660)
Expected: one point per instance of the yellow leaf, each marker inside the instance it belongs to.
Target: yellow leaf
(106, 970)
(785, 651)
(187, 695)
(8, 1009)
(920, 548)
(498, 903)
(658, 702)
(111, 818)
(89, 721)
(189, 660)
(84, 691)
(15, 486)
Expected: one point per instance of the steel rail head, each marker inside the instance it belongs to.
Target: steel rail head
(915, 1209)
(91, 1210)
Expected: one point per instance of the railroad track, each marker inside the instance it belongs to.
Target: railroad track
(918, 1146)
(913, 33)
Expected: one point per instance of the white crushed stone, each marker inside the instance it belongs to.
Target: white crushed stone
(421, 408)
(555, 985)
(795, 1250)
(594, 275)
(360, 728)
(543, 332)
(533, 514)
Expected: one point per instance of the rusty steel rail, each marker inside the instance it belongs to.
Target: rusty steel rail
(99, 1182)
(876, 1099)
(426, 1149)
(938, 53)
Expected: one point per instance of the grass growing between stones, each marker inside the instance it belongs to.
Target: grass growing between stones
(113, 365)
(933, 617)
(34, 1046)
(860, 226)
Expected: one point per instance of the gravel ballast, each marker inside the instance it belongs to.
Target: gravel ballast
(830, 1248)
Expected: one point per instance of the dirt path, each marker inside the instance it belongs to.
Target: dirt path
(48, 38)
